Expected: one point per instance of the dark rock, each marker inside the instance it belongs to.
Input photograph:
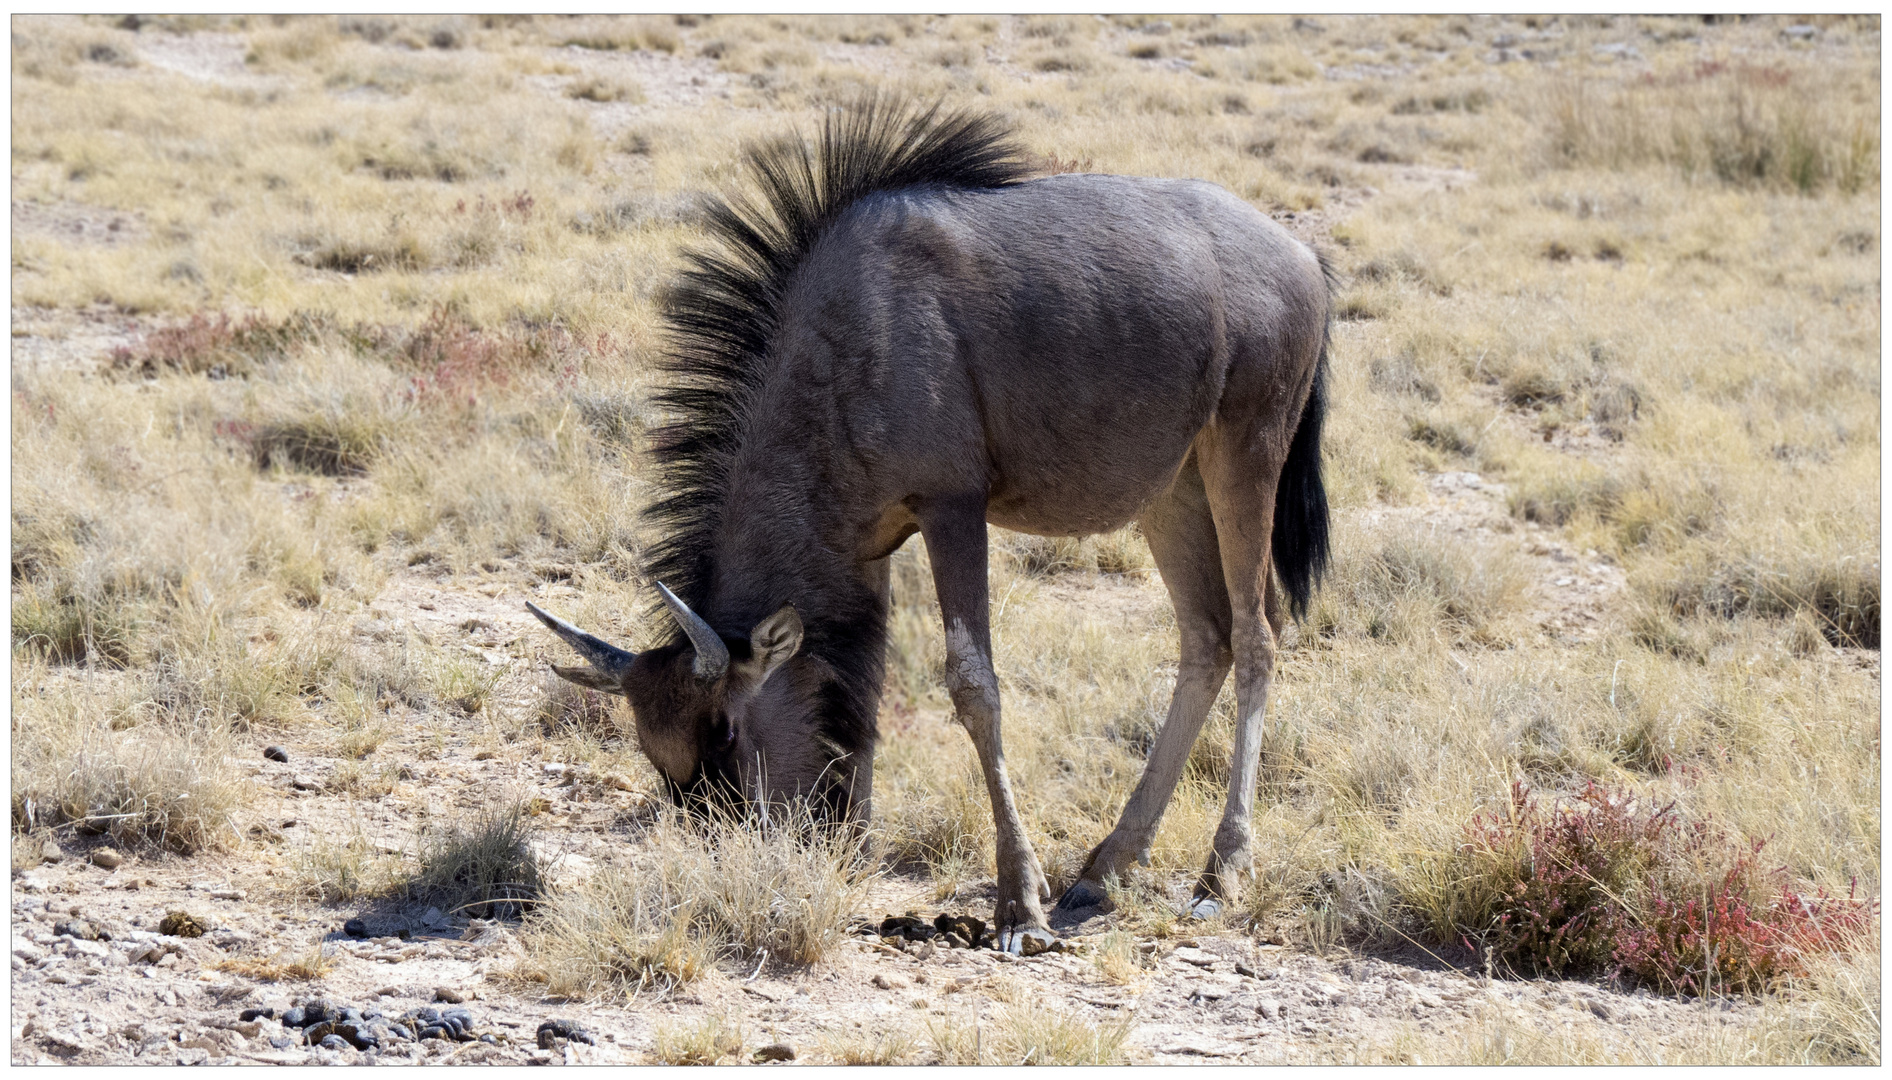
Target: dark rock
(401, 1031)
(488, 1038)
(355, 928)
(426, 1016)
(434, 1032)
(956, 942)
(276, 753)
(283, 1042)
(449, 995)
(374, 1014)
(248, 1015)
(780, 1051)
(295, 1018)
(351, 1016)
(333, 1042)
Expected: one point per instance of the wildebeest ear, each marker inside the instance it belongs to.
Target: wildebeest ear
(591, 679)
(773, 641)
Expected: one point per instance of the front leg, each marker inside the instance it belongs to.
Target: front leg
(954, 531)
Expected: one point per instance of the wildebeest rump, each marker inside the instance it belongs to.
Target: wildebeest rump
(902, 332)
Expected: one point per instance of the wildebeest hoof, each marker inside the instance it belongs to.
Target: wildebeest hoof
(1203, 907)
(1082, 894)
(1027, 941)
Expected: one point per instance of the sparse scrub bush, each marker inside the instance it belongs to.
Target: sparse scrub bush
(1773, 124)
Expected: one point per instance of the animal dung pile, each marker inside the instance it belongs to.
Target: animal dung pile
(182, 924)
(948, 931)
(318, 1023)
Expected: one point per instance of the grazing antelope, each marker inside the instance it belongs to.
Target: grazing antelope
(902, 331)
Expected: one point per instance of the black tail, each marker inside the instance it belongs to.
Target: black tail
(1300, 502)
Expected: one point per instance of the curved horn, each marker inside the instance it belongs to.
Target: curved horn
(712, 656)
(608, 662)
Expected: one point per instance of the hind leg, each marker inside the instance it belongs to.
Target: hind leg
(1239, 481)
(1181, 533)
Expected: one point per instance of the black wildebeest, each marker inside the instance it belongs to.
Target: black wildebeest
(902, 332)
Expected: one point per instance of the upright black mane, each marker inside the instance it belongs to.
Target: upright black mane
(722, 312)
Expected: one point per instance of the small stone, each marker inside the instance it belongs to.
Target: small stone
(448, 995)
(182, 924)
(956, 942)
(886, 983)
(106, 858)
(295, 1018)
(77, 928)
(227, 894)
(434, 917)
(355, 928)
(303, 783)
(276, 753)
(1270, 1009)
(1195, 956)
(333, 1042)
(256, 1014)
(434, 1032)
(50, 852)
(780, 1051)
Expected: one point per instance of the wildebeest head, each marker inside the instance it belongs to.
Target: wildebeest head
(726, 720)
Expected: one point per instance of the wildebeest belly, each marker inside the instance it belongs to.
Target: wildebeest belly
(1087, 463)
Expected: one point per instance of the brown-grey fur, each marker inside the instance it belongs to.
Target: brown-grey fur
(1058, 356)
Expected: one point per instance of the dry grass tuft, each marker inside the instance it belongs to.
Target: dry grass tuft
(782, 893)
(880, 1047)
(1027, 1034)
(166, 786)
(700, 1042)
(312, 966)
(486, 868)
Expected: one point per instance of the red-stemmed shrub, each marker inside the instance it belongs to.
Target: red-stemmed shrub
(1604, 881)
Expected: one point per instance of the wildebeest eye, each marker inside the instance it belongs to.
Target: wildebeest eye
(727, 738)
